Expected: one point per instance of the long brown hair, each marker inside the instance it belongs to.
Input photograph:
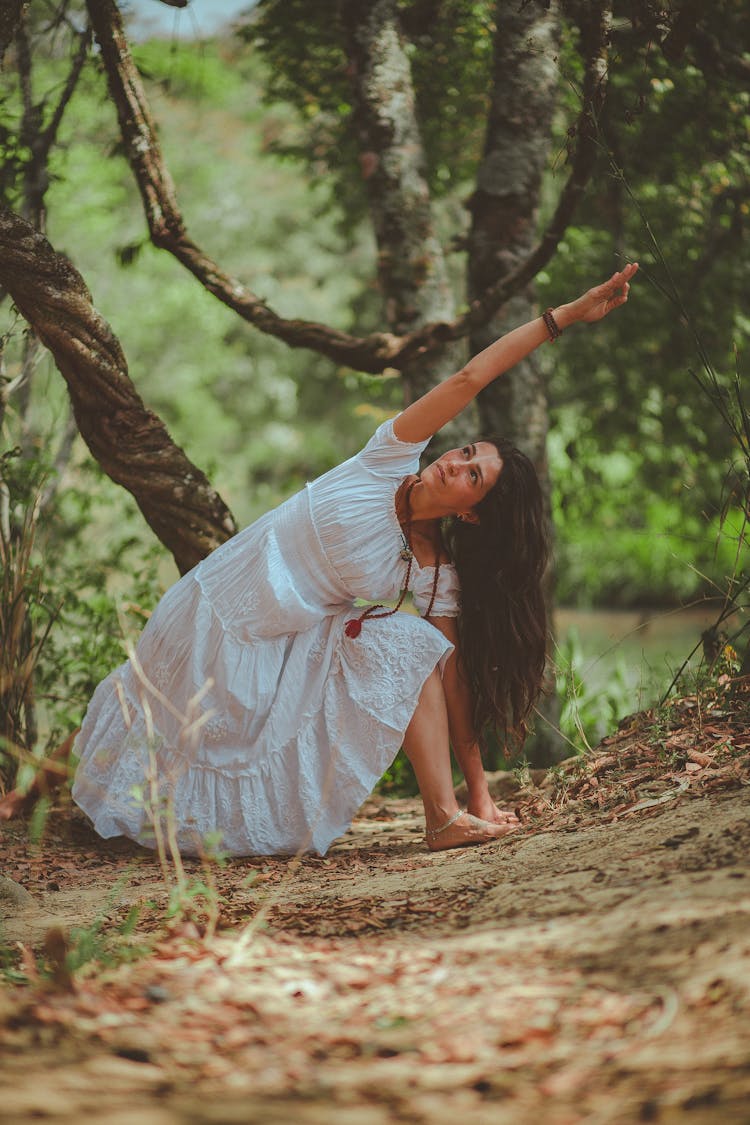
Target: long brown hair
(503, 622)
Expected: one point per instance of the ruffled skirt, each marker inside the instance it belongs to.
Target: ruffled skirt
(258, 727)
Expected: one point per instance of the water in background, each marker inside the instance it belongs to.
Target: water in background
(641, 649)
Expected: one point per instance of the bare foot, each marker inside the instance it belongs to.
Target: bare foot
(466, 831)
(14, 803)
(484, 808)
(504, 816)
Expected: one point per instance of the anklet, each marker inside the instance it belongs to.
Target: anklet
(433, 832)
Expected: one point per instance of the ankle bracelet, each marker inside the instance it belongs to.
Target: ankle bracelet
(431, 833)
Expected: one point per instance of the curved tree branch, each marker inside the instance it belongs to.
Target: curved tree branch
(371, 353)
(130, 442)
(167, 227)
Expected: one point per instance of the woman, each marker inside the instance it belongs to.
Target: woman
(263, 705)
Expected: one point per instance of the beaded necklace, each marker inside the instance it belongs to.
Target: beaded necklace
(353, 627)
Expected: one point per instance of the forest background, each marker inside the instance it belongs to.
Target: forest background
(556, 139)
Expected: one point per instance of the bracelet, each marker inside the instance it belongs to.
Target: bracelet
(551, 325)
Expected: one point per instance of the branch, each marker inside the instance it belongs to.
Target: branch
(167, 227)
(411, 265)
(49, 135)
(129, 442)
(595, 29)
(37, 138)
(377, 351)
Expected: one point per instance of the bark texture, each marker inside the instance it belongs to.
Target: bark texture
(130, 443)
(503, 242)
(504, 234)
(505, 205)
(411, 265)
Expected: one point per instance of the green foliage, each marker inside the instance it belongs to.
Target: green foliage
(107, 595)
(258, 135)
(399, 779)
(61, 622)
(623, 402)
(675, 153)
(13, 155)
(103, 944)
(260, 418)
(202, 75)
(26, 612)
(589, 710)
(449, 46)
(626, 544)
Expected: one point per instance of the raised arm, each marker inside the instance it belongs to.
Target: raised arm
(428, 414)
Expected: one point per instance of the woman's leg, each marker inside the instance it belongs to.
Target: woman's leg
(53, 772)
(427, 746)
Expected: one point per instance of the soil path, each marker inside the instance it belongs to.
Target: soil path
(594, 967)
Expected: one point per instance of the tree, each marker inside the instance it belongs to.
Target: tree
(503, 239)
(351, 70)
(412, 268)
(130, 443)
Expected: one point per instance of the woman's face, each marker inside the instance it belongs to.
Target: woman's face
(459, 479)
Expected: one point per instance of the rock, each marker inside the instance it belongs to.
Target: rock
(15, 895)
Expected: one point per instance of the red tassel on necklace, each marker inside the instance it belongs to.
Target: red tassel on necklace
(353, 627)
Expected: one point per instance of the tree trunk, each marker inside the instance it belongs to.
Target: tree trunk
(10, 15)
(411, 265)
(130, 442)
(504, 229)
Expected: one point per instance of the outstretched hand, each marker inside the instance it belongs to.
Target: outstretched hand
(602, 299)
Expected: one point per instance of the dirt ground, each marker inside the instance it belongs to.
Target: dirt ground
(593, 967)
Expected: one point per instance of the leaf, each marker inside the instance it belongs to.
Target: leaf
(652, 802)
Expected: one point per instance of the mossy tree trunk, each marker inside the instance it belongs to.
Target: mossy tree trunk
(411, 265)
(504, 230)
(130, 442)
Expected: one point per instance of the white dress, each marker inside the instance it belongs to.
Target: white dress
(247, 711)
